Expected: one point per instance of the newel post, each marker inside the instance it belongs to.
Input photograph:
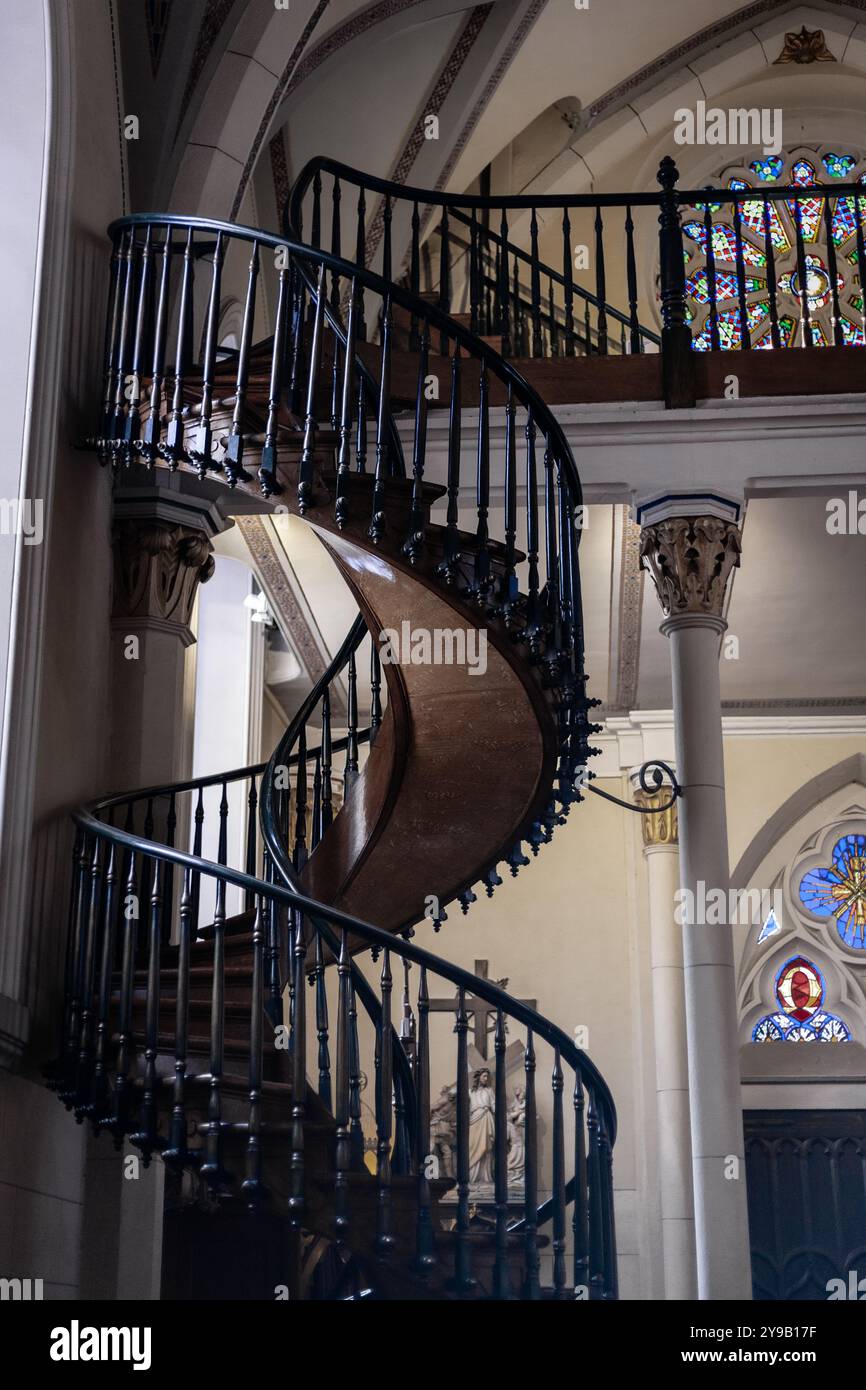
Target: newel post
(677, 363)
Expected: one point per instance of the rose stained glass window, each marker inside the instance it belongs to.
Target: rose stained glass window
(838, 890)
(806, 169)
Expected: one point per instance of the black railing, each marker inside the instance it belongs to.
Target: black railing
(534, 308)
(211, 418)
(132, 920)
(737, 267)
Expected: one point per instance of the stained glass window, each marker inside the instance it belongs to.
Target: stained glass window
(800, 1018)
(806, 169)
(768, 170)
(839, 890)
(724, 243)
(838, 166)
(752, 214)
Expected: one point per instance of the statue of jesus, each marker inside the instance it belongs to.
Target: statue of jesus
(482, 1103)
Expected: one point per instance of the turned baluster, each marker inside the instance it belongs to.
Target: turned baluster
(308, 454)
(580, 1208)
(81, 890)
(448, 568)
(482, 576)
(600, 283)
(635, 340)
(112, 339)
(384, 1100)
(838, 335)
(322, 1034)
(299, 852)
(376, 529)
(415, 540)
(772, 290)
(126, 1044)
(415, 275)
(132, 427)
(223, 840)
(151, 437)
(530, 1174)
(89, 955)
(425, 1247)
(268, 466)
(236, 443)
(173, 448)
(344, 451)
(177, 1152)
(350, 774)
(99, 1086)
(252, 1187)
(327, 809)
(202, 445)
(316, 817)
(252, 826)
(501, 1275)
(375, 690)
(212, 1168)
(198, 831)
(535, 288)
(508, 579)
(343, 1150)
(336, 243)
(361, 261)
(145, 1139)
(710, 258)
(274, 992)
(745, 335)
(297, 1199)
(596, 1204)
(444, 275)
(533, 632)
(803, 278)
(463, 1279)
(558, 1183)
(505, 322)
(356, 1132)
(122, 361)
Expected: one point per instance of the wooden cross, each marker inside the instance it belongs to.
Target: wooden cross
(480, 1010)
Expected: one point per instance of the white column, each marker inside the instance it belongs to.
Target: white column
(690, 547)
(669, 1028)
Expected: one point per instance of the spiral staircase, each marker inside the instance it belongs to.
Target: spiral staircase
(224, 1013)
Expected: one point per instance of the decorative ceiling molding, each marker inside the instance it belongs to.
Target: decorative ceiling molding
(276, 97)
(514, 43)
(216, 13)
(283, 603)
(279, 172)
(676, 57)
(431, 106)
(345, 33)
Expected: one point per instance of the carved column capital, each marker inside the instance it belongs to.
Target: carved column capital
(690, 559)
(660, 827)
(158, 566)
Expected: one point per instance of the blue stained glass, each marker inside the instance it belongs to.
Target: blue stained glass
(752, 214)
(852, 333)
(770, 927)
(730, 336)
(845, 220)
(838, 166)
(726, 285)
(724, 243)
(800, 993)
(803, 173)
(768, 170)
(839, 891)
